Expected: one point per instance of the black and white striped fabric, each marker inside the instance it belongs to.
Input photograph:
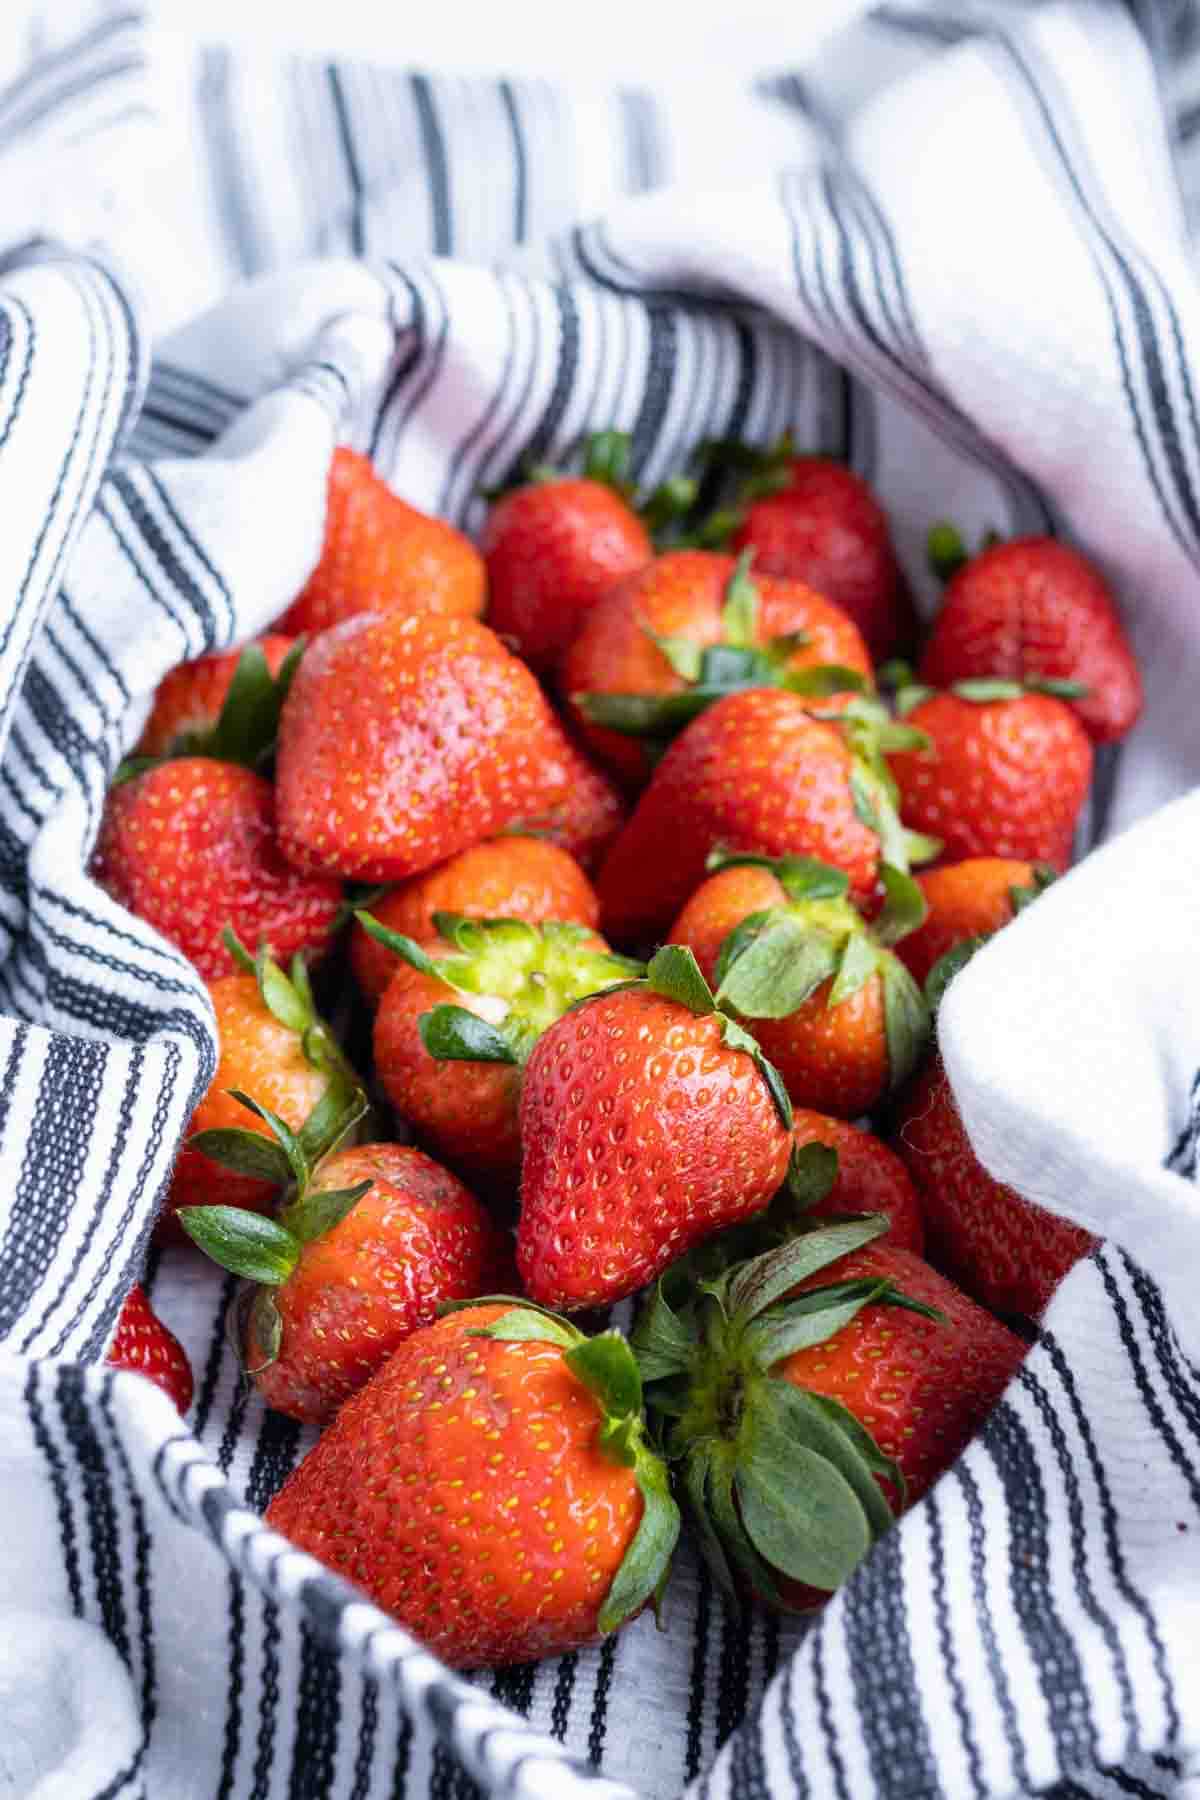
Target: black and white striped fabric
(955, 252)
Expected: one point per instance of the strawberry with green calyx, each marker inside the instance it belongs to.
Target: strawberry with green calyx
(509, 877)
(492, 1488)
(226, 705)
(1039, 612)
(143, 1345)
(278, 1055)
(1004, 771)
(765, 772)
(367, 1248)
(588, 817)
(866, 1176)
(969, 901)
(686, 629)
(555, 544)
(462, 1013)
(649, 1120)
(835, 1011)
(806, 1396)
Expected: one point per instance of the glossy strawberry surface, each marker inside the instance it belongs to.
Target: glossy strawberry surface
(144, 1346)
(191, 847)
(966, 899)
(406, 738)
(464, 1491)
(870, 1177)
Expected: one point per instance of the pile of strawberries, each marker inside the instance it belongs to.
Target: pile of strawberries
(669, 730)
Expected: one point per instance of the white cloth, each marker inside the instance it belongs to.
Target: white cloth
(954, 252)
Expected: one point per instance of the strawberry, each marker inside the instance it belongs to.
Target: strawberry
(382, 555)
(1004, 1250)
(588, 818)
(836, 1013)
(649, 1120)
(190, 846)
(868, 1177)
(143, 1345)
(968, 900)
(460, 1017)
(690, 626)
(404, 739)
(824, 527)
(758, 773)
(190, 700)
(364, 1254)
(1005, 773)
(554, 546)
(1032, 609)
(809, 1394)
(276, 1051)
(492, 1488)
(506, 878)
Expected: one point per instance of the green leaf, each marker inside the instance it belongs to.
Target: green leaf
(830, 1430)
(245, 1152)
(738, 1038)
(238, 951)
(759, 1283)
(906, 1020)
(824, 678)
(739, 613)
(243, 1242)
(320, 1209)
(812, 1319)
(801, 877)
(671, 500)
(735, 1540)
(1021, 897)
(264, 1332)
(249, 716)
(910, 697)
(130, 767)
(282, 1132)
(774, 965)
(802, 1516)
(405, 947)
(524, 1325)
(812, 1171)
(945, 550)
(730, 666)
(895, 674)
(662, 1342)
(919, 847)
(683, 653)
(644, 1566)
(606, 458)
(452, 1034)
(647, 715)
(870, 790)
(904, 908)
(674, 973)
(279, 996)
(1057, 686)
(696, 1470)
(986, 689)
(335, 1115)
(859, 961)
(608, 1369)
(947, 967)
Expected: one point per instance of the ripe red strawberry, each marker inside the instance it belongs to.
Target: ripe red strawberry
(460, 1017)
(648, 1122)
(830, 1005)
(275, 1049)
(404, 739)
(1004, 777)
(1034, 608)
(144, 1345)
(382, 555)
(870, 1178)
(758, 773)
(809, 1394)
(504, 878)
(492, 1489)
(552, 549)
(588, 818)
(377, 1241)
(190, 846)
(1004, 1250)
(682, 630)
(966, 900)
(190, 699)
(827, 529)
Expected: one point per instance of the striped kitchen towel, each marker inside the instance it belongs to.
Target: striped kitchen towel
(956, 252)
